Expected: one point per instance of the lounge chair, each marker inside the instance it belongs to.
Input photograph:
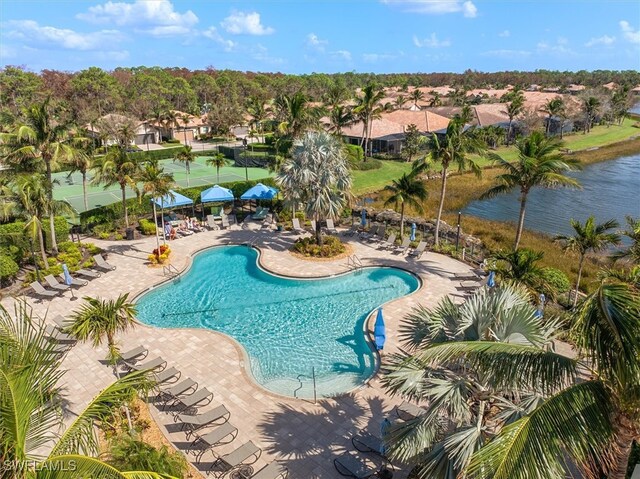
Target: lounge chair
(296, 226)
(40, 291)
(186, 386)
(61, 322)
(260, 214)
(331, 229)
(137, 354)
(211, 222)
(352, 465)
(273, 470)
(102, 264)
(88, 273)
(75, 281)
(53, 283)
(367, 442)
(56, 335)
(466, 276)
(402, 249)
(373, 231)
(225, 221)
(389, 242)
(217, 211)
(155, 364)
(407, 411)
(192, 402)
(417, 252)
(239, 457)
(192, 422)
(223, 434)
(313, 225)
(379, 236)
(352, 230)
(170, 375)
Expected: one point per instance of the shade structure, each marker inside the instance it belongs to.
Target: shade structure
(363, 219)
(259, 192)
(491, 281)
(172, 200)
(216, 194)
(379, 331)
(413, 232)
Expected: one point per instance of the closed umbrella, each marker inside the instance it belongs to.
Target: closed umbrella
(491, 281)
(363, 218)
(67, 278)
(379, 331)
(413, 232)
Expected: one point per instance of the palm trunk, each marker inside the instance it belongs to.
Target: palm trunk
(402, 221)
(575, 296)
(626, 433)
(164, 234)
(155, 219)
(124, 205)
(561, 129)
(42, 250)
(218, 172)
(523, 203)
(509, 132)
(318, 232)
(52, 226)
(187, 169)
(84, 190)
(443, 191)
(54, 242)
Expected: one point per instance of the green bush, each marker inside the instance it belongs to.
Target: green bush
(8, 269)
(308, 247)
(557, 279)
(355, 154)
(147, 227)
(62, 229)
(129, 454)
(15, 239)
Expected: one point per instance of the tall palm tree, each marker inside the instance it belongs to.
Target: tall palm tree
(588, 237)
(318, 176)
(31, 404)
(170, 120)
(520, 267)
(400, 101)
(407, 190)
(462, 406)
(534, 413)
(258, 113)
(416, 96)
(436, 99)
(185, 119)
(340, 117)
(117, 167)
(42, 138)
(538, 165)
(82, 163)
(296, 114)
(368, 108)
(451, 151)
(335, 95)
(187, 157)
(590, 106)
(632, 253)
(554, 107)
(157, 184)
(514, 109)
(218, 161)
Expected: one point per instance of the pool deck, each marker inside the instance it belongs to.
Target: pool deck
(304, 436)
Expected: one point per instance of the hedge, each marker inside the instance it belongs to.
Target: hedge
(166, 154)
(8, 269)
(62, 230)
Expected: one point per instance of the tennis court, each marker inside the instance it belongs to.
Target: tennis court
(69, 188)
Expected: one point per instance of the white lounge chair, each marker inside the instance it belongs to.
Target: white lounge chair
(88, 273)
(404, 246)
(225, 221)
(389, 242)
(75, 281)
(40, 291)
(296, 226)
(102, 264)
(417, 252)
(53, 283)
(331, 229)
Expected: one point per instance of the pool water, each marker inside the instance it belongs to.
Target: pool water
(289, 328)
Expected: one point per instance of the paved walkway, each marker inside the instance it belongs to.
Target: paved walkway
(304, 436)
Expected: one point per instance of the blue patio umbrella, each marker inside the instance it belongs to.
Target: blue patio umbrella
(491, 280)
(216, 194)
(379, 331)
(172, 200)
(259, 192)
(413, 232)
(363, 217)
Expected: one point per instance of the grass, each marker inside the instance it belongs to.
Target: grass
(373, 180)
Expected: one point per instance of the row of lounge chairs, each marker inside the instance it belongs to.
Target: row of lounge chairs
(330, 227)
(183, 399)
(355, 465)
(60, 287)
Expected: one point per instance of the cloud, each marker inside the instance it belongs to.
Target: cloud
(431, 42)
(558, 48)
(603, 40)
(212, 34)
(157, 18)
(507, 54)
(342, 55)
(629, 33)
(377, 57)
(30, 33)
(245, 23)
(504, 34)
(436, 7)
(314, 42)
(262, 54)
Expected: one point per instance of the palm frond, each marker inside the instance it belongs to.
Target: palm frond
(74, 466)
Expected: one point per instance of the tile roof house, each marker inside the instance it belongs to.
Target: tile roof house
(185, 132)
(144, 131)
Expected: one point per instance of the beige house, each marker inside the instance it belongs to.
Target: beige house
(186, 128)
(108, 127)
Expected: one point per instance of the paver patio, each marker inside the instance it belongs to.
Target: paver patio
(304, 436)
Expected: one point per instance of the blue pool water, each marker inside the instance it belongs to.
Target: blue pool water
(287, 327)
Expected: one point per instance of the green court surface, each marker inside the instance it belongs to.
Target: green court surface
(69, 188)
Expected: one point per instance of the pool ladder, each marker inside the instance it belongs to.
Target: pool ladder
(170, 270)
(354, 262)
(313, 378)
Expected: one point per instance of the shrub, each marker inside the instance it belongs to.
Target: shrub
(62, 229)
(160, 255)
(147, 227)
(129, 454)
(8, 269)
(308, 247)
(557, 279)
(117, 237)
(370, 164)
(14, 235)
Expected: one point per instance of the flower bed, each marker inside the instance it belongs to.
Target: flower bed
(309, 248)
(160, 255)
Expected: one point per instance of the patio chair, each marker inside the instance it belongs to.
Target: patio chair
(473, 285)
(61, 322)
(40, 291)
(217, 211)
(192, 402)
(239, 457)
(260, 214)
(102, 264)
(389, 242)
(75, 281)
(402, 249)
(296, 226)
(225, 221)
(273, 470)
(186, 386)
(367, 442)
(379, 235)
(155, 364)
(331, 229)
(351, 465)
(192, 422)
(223, 434)
(352, 230)
(56, 335)
(313, 225)
(466, 276)
(53, 283)
(211, 223)
(417, 252)
(88, 273)
(136, 354)
(170, 375)
(365, 235)
(407, 411)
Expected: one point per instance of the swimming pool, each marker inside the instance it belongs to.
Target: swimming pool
(288, 327)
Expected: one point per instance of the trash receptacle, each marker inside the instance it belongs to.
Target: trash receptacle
(129, 233)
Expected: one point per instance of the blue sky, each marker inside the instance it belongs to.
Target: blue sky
(322, 36)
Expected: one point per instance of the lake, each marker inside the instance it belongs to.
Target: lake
(610, 189)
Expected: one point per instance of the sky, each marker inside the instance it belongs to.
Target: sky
(303, 36)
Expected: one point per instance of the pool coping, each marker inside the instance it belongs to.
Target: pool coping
(246, 371)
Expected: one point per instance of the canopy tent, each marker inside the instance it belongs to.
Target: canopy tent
(259, 192)
(216, 194)
(172, 200)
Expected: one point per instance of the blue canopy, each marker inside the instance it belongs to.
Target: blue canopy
(216, 193)
(379, 331)
(172, 200)
(259, 192)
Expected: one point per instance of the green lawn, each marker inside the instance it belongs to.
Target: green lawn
(374, 180)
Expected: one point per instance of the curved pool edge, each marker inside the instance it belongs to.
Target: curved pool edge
(246, 371)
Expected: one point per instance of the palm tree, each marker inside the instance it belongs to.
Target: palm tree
(436, 100)
(82, 162)
(415, 96)
(185, 118)
(157, 183)
(117, 167)
(340, 117)
(514, 110)
(554, 107)
(317, 175)
(533, 413)
(218, 161)
(590, 106)
(295, 114)
(400, 101)
(407, 190)
(452, 150)
(462, 406)
(520, 267)
(633, 233)
(588, 237)
(187, 157)
(42, 139)
(538, 164)
(258, 113)
(31, 403)
(368, 108)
